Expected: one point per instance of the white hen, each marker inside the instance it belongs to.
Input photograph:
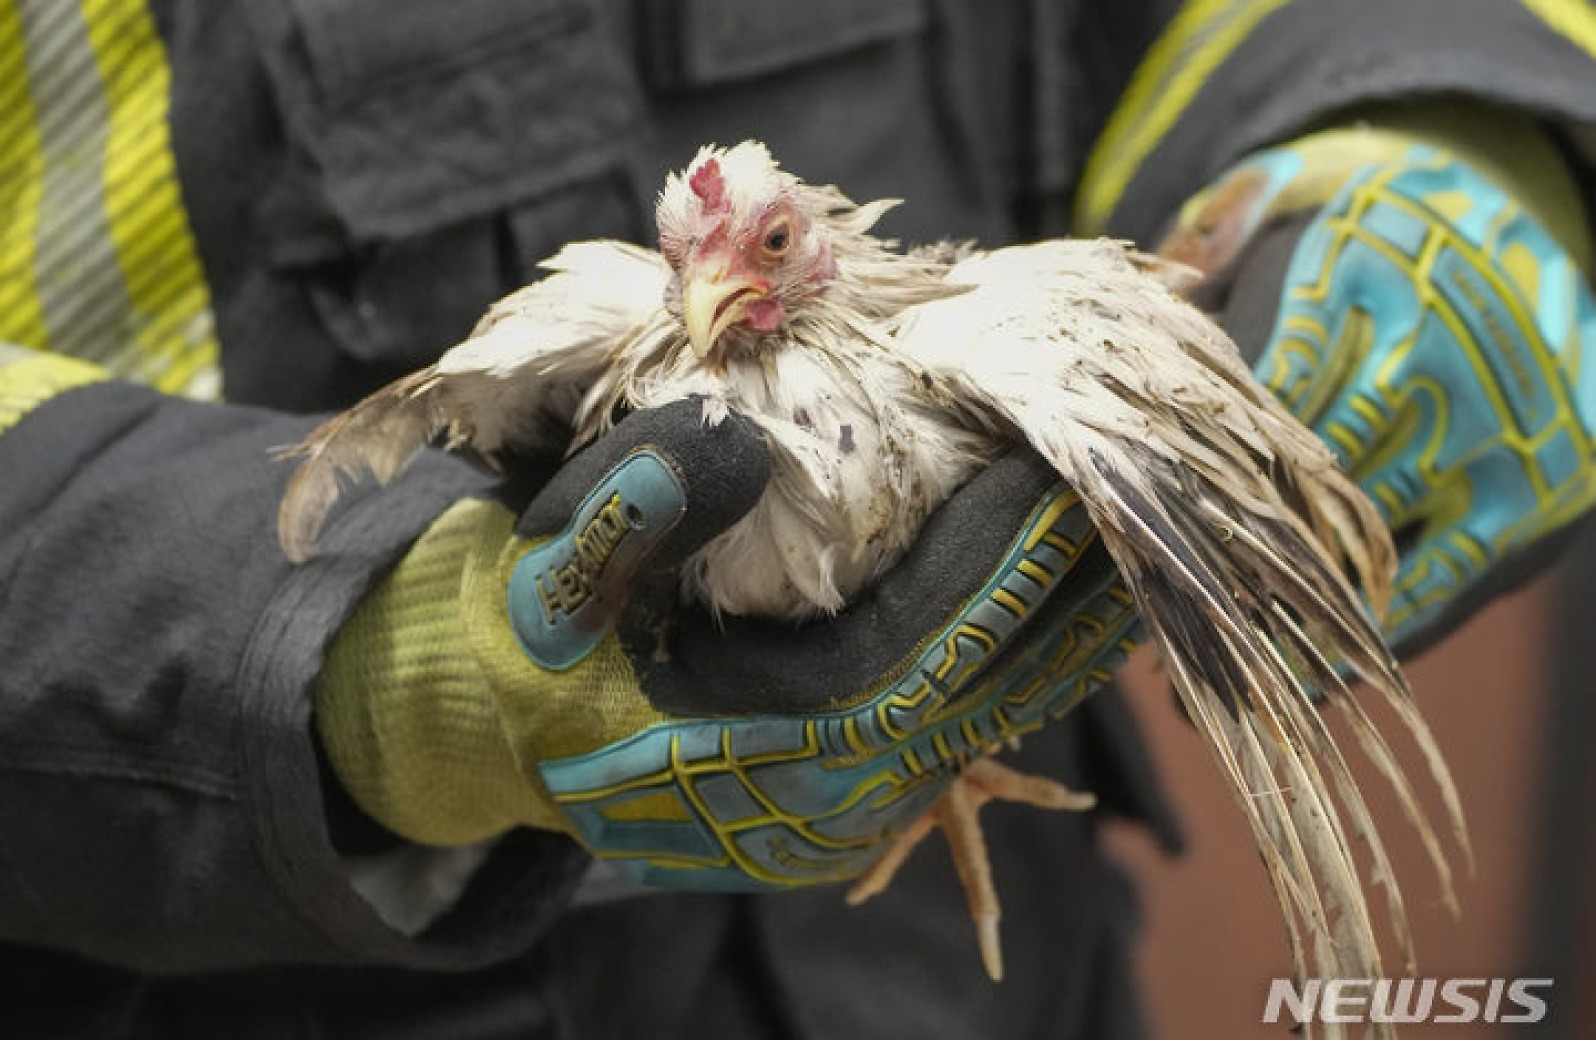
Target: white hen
(884, 379)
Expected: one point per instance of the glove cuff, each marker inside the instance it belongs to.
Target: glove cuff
(1508, 147)
(1217, 224)
(404, 706)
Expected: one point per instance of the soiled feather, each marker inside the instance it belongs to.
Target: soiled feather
(516, 382)
(1229, 520)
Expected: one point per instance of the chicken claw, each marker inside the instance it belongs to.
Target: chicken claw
(956, 813)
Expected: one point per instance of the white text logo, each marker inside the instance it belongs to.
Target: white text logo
(1406, 1001)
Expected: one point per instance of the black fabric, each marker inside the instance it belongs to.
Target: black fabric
(417, 117)
(276, 321)
(162, 801)
(695, 43)
(683, 967)
(1310, 58)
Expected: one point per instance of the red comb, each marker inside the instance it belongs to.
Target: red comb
(708, 185)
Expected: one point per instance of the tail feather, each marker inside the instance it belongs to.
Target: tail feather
(1317, 736)
(1257, 622)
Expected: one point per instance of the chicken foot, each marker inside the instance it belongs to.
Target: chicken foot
(956, 812)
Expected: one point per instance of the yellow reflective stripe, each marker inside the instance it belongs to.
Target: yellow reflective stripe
(1196, 42)
(21, 182)
(175, 342)
(1574, 19)
(29, 378)
(96, 257)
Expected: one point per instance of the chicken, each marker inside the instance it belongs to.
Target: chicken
(882, 379)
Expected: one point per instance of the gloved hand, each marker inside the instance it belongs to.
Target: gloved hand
(1420, 317)
(495, 680)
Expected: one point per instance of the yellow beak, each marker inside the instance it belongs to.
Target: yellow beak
(712, 303)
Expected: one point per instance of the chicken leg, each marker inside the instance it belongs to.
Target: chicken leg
(956, 812)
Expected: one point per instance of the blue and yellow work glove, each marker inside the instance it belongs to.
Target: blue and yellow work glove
(536, 668)
(1413, 291)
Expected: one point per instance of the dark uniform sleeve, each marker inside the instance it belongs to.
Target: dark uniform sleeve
(1223, 80)
(160, 805)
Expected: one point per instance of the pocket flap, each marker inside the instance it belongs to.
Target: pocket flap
(412, 117)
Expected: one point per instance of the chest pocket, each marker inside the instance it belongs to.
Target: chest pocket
(435, 151)
(700, 43)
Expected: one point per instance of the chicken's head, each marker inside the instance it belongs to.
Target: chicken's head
(744, 243)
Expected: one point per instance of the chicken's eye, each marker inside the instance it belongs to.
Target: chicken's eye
(778, 238)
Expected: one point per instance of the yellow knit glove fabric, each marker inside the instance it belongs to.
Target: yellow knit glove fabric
(433, 716)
